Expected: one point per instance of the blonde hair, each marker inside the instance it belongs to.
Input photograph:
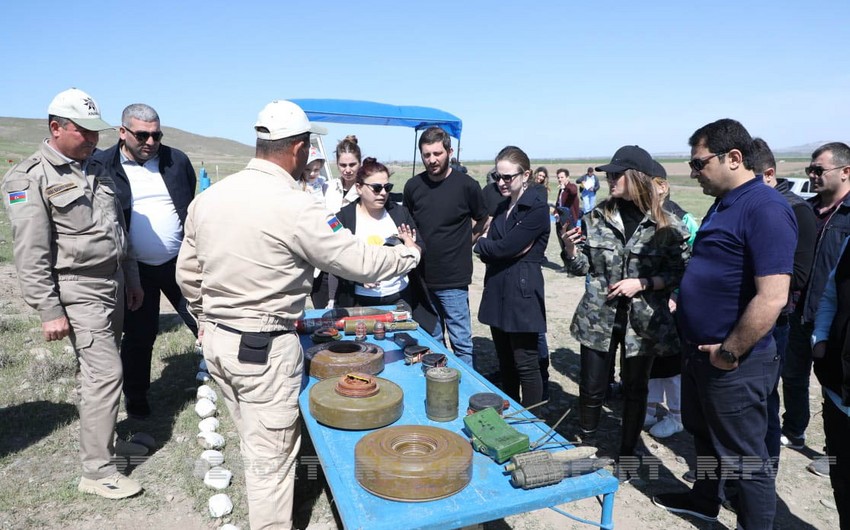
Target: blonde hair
(642, 193)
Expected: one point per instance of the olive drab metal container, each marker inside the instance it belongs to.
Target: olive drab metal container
(441, 393)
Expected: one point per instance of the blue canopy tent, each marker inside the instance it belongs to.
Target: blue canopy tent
(371, 113)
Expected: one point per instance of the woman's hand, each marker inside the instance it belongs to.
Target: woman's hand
(571, 238)
(628, 287)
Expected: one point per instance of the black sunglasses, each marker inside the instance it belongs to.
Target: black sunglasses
(143, 136)
(818, 171)
(698, 164)
(376, 188)
(507, 178)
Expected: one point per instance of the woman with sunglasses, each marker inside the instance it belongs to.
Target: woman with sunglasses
(634, 254)
(376, 219)
(513, 301)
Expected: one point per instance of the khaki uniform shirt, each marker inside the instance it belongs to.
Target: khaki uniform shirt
(65, 222)
(252, 243)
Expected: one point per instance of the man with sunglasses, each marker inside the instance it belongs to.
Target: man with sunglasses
(734, 287)
(155, 184)
(829, 174)
(72, 261)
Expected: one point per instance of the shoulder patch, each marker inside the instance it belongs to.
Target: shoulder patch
(334, 223)
(17, 197)
(56, 189)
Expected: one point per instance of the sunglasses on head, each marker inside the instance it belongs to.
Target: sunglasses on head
(376, 188)
(698, 164)
(818, 171)
(142, 136)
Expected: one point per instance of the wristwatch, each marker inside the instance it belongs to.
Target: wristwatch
(727, 356)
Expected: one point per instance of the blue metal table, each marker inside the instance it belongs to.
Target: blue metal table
(488, 496)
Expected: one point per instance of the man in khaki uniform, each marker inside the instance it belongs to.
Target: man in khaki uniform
(70, 245)
(246, 267)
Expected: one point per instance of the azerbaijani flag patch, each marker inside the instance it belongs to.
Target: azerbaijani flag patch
(333, 222)
(17, 197)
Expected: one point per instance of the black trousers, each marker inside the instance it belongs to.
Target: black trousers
(519, 365)
(593, 382)
(142, 325)
(836, 427)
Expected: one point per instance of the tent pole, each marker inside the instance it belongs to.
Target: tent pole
(415, 135)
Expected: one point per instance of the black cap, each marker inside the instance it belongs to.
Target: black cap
(629, 157)
(658, 170)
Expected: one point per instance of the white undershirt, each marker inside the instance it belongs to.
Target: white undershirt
(155, 229)
(375, 232)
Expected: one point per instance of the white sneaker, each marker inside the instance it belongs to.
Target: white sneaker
(115, 486)
(649, 421)
(666, 427)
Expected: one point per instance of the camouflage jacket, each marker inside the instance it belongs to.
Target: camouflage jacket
(605, 259)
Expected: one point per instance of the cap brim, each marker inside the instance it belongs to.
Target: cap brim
(92, 124)
(612, 168)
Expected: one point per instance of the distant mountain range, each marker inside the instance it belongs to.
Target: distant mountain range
(19, 137)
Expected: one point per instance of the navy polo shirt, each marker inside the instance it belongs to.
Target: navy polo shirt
(750, 231)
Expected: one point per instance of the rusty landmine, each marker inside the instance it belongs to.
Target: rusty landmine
(351, 412)
(337, 358)
(356, 385)
(413, 463)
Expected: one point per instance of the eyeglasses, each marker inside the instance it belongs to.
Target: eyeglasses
(376, 188)
(614, 176)
(143, 136)
(507, 178)
(818, 171)
(698, 164)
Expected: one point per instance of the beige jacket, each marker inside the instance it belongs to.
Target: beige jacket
(64, 223)
(252, 242)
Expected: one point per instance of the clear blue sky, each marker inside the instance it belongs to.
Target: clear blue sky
(557, 78)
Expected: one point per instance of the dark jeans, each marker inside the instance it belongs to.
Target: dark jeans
(836, 427)
(519, 365)
(726, 412)
(774, 427)
(142, 325)
(795, 377)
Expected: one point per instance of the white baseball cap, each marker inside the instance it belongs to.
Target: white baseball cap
(77, 106)
(283, 119)
(315, 154)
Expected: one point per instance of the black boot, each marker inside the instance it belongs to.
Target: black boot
(590, 411)
(633, 414)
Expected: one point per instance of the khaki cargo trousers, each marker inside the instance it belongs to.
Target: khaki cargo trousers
(263, 401)
(95, 310)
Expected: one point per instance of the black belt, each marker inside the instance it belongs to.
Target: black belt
(275, 333)
(782, 320)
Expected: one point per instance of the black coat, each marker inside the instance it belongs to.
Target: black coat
(423, 310)
(513, 298)
(174, 167)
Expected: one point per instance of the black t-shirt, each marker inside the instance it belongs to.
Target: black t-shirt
(443, 211)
